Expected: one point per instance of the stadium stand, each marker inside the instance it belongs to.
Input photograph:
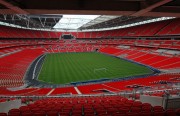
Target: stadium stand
(14, 66)
(154, 45)
(154, 60)
(90, 106)
(112, 87)
(158, 28)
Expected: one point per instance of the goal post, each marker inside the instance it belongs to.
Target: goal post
(100, 69)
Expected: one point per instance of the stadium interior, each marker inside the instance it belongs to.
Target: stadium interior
(89, 57)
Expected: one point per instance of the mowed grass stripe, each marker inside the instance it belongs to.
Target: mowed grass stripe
(62, 68)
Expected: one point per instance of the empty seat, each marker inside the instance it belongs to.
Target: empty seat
(170, 113)
(27, 114)
(178, 111)
(15, 114)
(158, 108)
(3, 114)
(135, 109)
(39, 114)
(145, 114)
(52, 113)
(159, 113)
(123, 110)
(132, 114)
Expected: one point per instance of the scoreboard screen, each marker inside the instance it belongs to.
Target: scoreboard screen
(67, 36)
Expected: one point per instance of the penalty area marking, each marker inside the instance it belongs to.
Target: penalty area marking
(100, 69)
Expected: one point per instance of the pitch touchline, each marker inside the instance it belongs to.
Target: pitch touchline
(36, 67)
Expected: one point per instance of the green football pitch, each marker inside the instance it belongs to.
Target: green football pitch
(64, 68)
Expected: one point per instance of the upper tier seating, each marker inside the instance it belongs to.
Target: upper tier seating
(145, 44)
(168, 27)
(173, 28)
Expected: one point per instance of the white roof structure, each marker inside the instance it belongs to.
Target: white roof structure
(74, 21)
(100, 19)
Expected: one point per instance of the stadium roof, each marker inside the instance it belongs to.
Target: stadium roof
(101, 14)
(74, 21)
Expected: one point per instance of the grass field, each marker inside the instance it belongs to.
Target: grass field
(63, 68)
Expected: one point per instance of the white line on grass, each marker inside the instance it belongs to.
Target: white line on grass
(36, 67)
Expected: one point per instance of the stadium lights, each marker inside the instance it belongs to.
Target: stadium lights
(73, 29)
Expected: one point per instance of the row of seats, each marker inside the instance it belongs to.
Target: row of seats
(5, 99)
(172, 28)
(151, 81)
(6, 42)
(144, 57)
(90, 106)
(14, 66)
(115, 86)
(167, 44)
(13, 70)
(71, 48)
(168, 27)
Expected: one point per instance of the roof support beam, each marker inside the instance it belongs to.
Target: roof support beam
(12, 7)
(150, 8)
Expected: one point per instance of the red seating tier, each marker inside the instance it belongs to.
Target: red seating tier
(64, 90)
(168, 27)
(14, 66)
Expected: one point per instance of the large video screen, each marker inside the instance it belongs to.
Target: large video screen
(67, 37)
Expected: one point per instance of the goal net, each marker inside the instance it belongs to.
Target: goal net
(100, 70)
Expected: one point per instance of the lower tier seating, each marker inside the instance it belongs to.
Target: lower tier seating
(14, 66)
(90, 106)
(124, 85)
(112, 87)
(145, 57)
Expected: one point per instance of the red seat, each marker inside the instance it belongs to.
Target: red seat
(64, 113)
(159, 113)
(124, 110)
(158, 108)
(170, 112)
(145, 114)
(3, 114)
(119, 115)
(14, 114)
(52, 113)
(135, 109)
(178, 111)
(146, 109)
(39, 114)
(27, 114)
(132, 114)
(89, 114)
(146, 104)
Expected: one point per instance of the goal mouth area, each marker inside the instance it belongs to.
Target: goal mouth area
(100, 69)
(35, 82)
